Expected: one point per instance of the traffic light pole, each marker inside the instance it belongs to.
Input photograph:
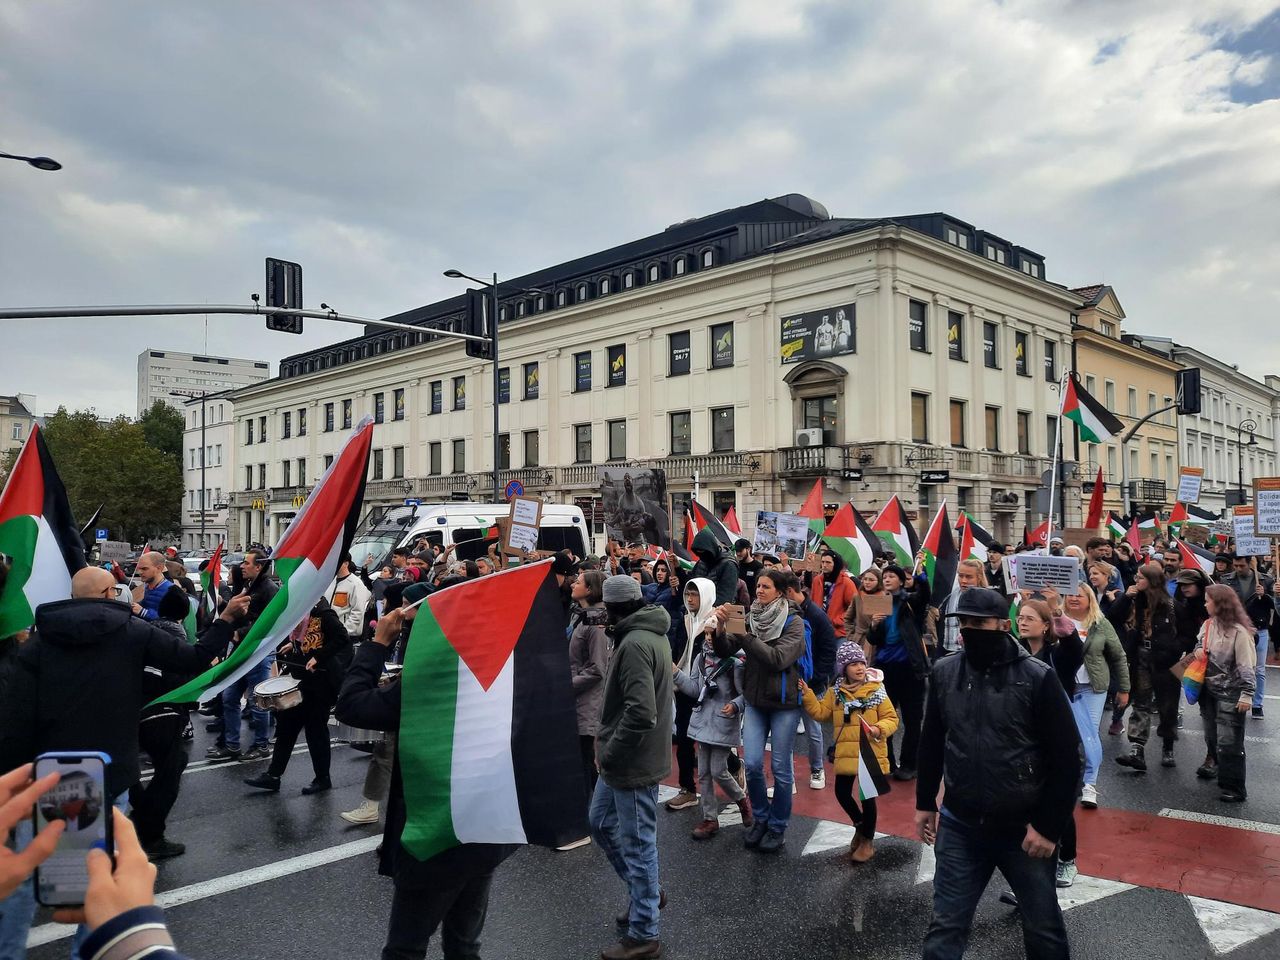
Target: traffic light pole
(493, 347)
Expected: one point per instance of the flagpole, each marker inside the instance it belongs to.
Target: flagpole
(1057, 453)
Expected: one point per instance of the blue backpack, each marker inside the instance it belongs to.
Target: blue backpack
(805, 663)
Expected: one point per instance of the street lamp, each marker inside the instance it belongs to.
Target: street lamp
(40, 163)
(188, 395)
(1246, 426)
(493, 349)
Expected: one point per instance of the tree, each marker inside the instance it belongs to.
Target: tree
(162, 426)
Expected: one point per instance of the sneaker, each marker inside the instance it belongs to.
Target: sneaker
(1066, 874)
(755, 833)
(682, 801)
(264, 781)
(628, 949)
(817, 780)
(1167, 758)
(254, 754)
(1257, 713)
(221, 754)
(317, 786)
(1207, 770)
(574, 845)
(769, 790)
(213, 726)
(1116, 728)
(706, 829)
(162, 849)
(772, 842)
(188, 732)
(367, 812)
(1230, 796)
(1089, 797)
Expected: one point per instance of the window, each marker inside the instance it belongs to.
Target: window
(286, 426)
(1151, 402)
(302, 421)
(459, 456)
(397, 404)
(459, 393)
(302, 472)
(504, 385)
(955, 335)
(584, 292)
(562, 298)
(286, 473)
(346, 414)
(721, 345)
(521, 307)
(1020, 354)
(629, 280)
(531, 448)
(990, 346)
(504, 451)
(437, 393)
(582, 443)
(957, 423)
(1105, 328)
(1155, 466)
(1133, 402)
(993, 428)
(217, 453)
(721, 429)
(248, 478)
(1109, 394)
(248, 433)
(1051, 426)
(328, 460)
(1031, 268)
(540, 303)
(919, 418)
(397, 462)
(617, 439)
(1051, 361)
(917, 332)
(433, 458)
(262, 429)
(617, 366)
(681, 433)
(1111, 461)
(377, 464)
(1168, 414)
(606, 286)
(819, 413)
(708, 258)
(1091, 385)
(655, 273)
(262, 475)
(958, 239)
(995, 253)
(379, 408)
(678, 347)
(1024, 432)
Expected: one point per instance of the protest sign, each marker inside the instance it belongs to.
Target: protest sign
(779, 533)
(519, 535)
(1266, 500)
(1247, 544)
(1035, 571)
(1189, 480)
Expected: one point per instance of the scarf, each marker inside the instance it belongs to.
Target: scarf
(846, 700)
(766, 620)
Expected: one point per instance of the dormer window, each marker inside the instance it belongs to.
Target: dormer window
(1105, 329)
(584, 291)
(708, 258)
(655, 273)
(502, 313)
(680, 265)
(958, 239)
(540, 303)
(995, 253)
(520, 308)
(629, 280)
(606, 286)
(1031, 268)
(562, 298)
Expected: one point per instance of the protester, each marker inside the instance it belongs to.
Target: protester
(898, 651)
(749, 567)
(349, 598)
(969, 573)
(1254, 591)
(994, 570)
(823, 641)
(633, 751)
(857, 622)
(1100, 550)
(1227, 694)
(150, 570)
(699, 607)
(715, 564)
(665, 592)
(858, 697)
(588, 663)
(1006, 812)
(833, 590)
(1151, 642)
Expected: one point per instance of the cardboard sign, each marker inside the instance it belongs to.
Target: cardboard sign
(1266, 499)
(117, 550)
(1248, 545)
(779, 533)
(1035, 571)
(519, 529)
(1189, 481)
(877, 604)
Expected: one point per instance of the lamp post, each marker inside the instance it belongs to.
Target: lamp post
(1249, 427)
(40, 163)
(203, 483)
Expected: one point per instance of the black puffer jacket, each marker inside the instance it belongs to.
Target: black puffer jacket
(1129, 616)
(80, 683)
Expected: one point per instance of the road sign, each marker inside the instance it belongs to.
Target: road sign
(851, 473)
(284, 289)
(514, 489)
(935, 476)
(412, 502)
(102, 533)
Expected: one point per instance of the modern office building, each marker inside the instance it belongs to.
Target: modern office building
(173, 377)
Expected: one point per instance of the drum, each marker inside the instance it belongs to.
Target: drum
(278, 693)
(358, 738)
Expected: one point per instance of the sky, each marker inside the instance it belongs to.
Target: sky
(378, 144)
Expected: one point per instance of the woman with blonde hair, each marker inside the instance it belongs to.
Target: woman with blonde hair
(1227, 640)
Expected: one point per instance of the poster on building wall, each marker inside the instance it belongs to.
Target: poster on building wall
(828, 332)
(722, 346)
(779, 533)
(1189, 480)
(632, 499)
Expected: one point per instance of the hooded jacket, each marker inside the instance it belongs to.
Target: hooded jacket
(588, 661)
(79, 684)
(695, 622)
(633, 742)
(707, 724)
(843, 594)
(846, 707)
(823, 637)
(348, 596)
(715, 564)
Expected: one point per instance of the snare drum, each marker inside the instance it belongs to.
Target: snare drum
(359, 739)
(278, 693)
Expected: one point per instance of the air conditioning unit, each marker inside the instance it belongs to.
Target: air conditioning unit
(809, 438)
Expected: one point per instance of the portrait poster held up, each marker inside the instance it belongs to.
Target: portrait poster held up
(634, 504)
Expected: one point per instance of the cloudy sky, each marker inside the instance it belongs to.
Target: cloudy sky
(1132, 143)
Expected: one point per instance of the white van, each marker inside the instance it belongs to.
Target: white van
(563, 527)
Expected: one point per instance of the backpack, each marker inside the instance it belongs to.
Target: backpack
(805, 663)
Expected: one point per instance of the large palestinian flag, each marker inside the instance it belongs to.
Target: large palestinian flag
(1196, 558)
(38, 534)
(488, 730)
(896, 533)
(939, 557)
(305, 560)
(1097, 424)
(849, 535)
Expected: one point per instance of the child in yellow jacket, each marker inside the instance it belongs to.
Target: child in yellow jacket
(858, 695)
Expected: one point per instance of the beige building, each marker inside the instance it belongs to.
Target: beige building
(755, 349)
(17, 416)
(1131, 382)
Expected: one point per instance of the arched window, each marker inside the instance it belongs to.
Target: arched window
(540, 303)
(655, 273)
(629, 280)
(680, 265)
(709, 257)
(562, 298)
(502, 312)
(520, 306)
(583, 292)
(606, 286)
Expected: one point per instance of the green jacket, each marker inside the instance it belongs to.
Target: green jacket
(1104, 656)
(633, 742)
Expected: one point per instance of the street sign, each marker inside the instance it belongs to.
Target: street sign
(935, 476)
(459, 495)
(284, 290)
(412, 502)
(514, 489)
(102, 533)
(851, 473)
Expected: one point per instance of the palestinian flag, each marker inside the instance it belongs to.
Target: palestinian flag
(731, 522)
(1151, 522)
(1014, 603)
(1094, 519)
(896, 533)
(305, 560)
(1196, 558)
(210, 581)
(973, 539)
(1177, 518)
(1097, 424)
(488, 729)
(1115, 526)
(851, 536)
(812, 510)
(703, 518)
(189, 621)
(690, 531)
(871, 779)
(939, 557)
(38, 535)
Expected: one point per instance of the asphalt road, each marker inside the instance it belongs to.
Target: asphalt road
(270, 876)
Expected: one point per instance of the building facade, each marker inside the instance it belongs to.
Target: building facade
(172, 376)
(17, 417)
(208, 470)
(1132, 382)
(747, 353)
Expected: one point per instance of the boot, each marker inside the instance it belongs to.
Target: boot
(1135, 760)
(1208, 770)
(744, 808)
(862, 848)
(706, 830)
(1166, 755)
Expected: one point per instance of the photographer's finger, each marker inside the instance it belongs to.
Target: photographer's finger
(41, 848)
(128, 849)
(73, 915)
(19, 805)
(13, 780)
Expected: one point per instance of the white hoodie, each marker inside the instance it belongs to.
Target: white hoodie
(694, 622)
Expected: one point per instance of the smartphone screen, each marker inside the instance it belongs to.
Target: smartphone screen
(80, 800)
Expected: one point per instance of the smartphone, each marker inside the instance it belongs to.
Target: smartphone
(80, 799)
(736, 625)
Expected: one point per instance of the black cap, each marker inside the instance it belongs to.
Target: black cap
(982, 602)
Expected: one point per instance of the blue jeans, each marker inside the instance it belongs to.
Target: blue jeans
(624, 824)
(1087, 708)
(19, 908)
(780, 725)
(1260, 675)
(966, 857)
(259, 720)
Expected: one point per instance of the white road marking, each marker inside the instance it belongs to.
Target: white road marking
(1228, 926)
(828, 835)
(1089, 889)
(199, 765)
(1220, 821)
(1248, 739)
(51, 932)
(928, 864)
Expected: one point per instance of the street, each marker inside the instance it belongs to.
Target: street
(1166, 871)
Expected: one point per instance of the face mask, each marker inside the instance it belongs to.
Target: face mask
(981, 647)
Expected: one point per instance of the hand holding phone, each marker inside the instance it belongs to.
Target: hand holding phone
(78, 800)
(115, 889)
(18, 795)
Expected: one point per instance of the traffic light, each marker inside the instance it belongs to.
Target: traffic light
(284, 290)
(476, 322)
(1187, 383)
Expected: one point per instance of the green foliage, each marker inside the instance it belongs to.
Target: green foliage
(162, 426)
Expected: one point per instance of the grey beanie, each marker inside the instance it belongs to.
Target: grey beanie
(621, 589)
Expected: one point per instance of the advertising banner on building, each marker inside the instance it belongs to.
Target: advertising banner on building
(632, 499)
(819, 333)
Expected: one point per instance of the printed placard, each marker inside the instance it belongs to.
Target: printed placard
(1266, 500)
(1247, 544)
(519, 535)
(779, 533)
(1189, 481)
(1035, 571)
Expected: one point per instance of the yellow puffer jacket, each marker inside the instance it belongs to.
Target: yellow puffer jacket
(848, 734)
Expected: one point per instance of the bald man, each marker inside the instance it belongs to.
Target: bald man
(146, 596)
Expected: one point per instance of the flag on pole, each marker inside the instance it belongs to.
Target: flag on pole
(812, 510)
(305, 560)
(871, 779)
(731, 522)
(210, 582)
(851, 536)
(941, 561)
(896, 533)
(1094, 519)
(37, 534)
(1196, 558)
(1151, 522)
(1133, 537)
(1177, 518)
(1115, 526)
(488, 731)
(973, 539)
(690, 531)
(703, 518)
(1097, 424)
